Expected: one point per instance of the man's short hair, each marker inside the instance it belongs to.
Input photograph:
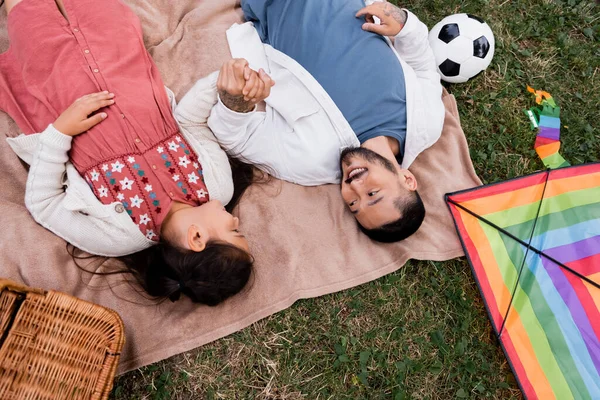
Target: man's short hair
(412, 213)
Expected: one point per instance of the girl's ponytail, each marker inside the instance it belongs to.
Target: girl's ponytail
(208, 277)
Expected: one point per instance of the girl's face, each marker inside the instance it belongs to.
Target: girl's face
(193, 227)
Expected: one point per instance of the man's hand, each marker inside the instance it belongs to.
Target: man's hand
(76, 119)
(240, 88)
(392, 18)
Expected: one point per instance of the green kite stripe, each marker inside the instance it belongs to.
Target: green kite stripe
(547, 320)
(549, 222)
(560, 203)
(523, 306)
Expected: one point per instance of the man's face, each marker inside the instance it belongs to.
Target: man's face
(371, 185)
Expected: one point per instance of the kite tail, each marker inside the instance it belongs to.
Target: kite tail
(546, 117)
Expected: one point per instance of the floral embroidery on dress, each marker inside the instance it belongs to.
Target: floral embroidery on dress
(143, 182)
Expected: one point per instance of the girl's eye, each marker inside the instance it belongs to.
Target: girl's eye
(371, 194)
(353, 203)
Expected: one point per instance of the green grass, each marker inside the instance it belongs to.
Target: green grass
(420, 333)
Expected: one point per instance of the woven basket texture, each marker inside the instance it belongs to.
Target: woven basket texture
(54, 346)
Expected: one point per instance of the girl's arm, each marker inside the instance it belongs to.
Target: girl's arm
(194, 114)
(191, 114)
(69, 208)
(236, 129)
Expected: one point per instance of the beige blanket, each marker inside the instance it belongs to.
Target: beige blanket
(306, 244)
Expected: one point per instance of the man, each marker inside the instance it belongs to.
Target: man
(342, 87)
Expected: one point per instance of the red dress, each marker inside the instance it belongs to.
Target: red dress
(135, 156)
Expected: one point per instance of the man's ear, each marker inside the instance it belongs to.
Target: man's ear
(409, 180)
(196, 238)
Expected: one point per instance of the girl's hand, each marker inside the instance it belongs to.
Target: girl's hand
(76, 119)
(258, 85)
(392, 18)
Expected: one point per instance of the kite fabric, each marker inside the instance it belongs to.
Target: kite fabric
(533, 244)
(534, 247)
(546, 117)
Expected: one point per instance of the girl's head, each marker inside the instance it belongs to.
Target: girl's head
(208, 277)
(193, 228)
(166, 271)
(201, 254)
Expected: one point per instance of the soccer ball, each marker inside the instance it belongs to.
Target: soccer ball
(463, 46)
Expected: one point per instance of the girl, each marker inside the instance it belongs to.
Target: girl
(77, 71)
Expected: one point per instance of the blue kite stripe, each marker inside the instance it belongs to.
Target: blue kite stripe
(570, 298)
(550, 122)
(576, 250)
(567, 235)
(570, 332)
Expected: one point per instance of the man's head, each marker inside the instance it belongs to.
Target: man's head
(382, 196)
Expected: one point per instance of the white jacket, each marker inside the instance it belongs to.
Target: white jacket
(59, 199)
(301, 134)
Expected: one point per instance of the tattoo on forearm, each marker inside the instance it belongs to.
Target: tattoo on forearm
(397, 13)
(236, 103)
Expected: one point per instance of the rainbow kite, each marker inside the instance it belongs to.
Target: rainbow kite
(534, 247)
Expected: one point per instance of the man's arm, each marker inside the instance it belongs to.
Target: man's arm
(237, 132)
(236, 103)
(412, 43)
(233, 119)
(391, 18)
(409, 33)
(398, 14)
(241, 88)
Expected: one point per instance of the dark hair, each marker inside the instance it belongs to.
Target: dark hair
(412, 213)
(208, 277)
(243, 175)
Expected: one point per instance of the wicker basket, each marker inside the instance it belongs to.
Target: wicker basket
(54, 346)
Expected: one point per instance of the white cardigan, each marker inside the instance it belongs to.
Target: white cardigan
(59, 199)
(301, 134)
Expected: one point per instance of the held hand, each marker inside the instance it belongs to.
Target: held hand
(392, 18)
(76, 119)
(240, 88)
(230, 84)
(232, 77)
(258, 85)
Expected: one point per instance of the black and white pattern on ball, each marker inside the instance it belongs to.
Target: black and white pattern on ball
(450, 68)
(449, 33)
(481, 46)
(463, 46)
(475, 18)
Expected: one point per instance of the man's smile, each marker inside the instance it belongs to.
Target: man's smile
(355, 173)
